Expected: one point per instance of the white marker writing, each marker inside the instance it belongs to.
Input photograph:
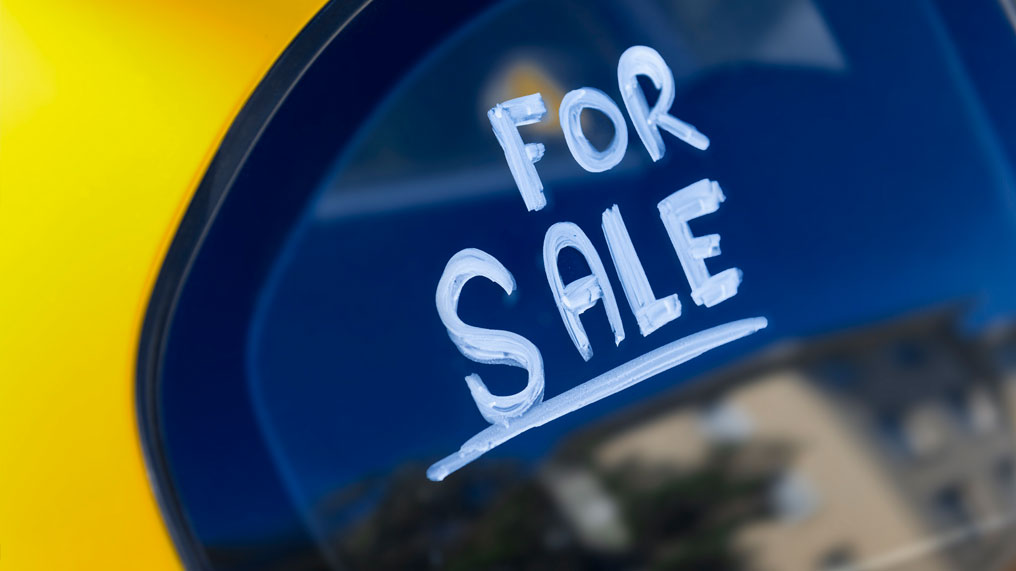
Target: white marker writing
(651, 313)
(645, 61)
(692, 201)
(514, 414)
(587, 156)
(505, 118)
(488, 345)
(573, 299)
(609, 383)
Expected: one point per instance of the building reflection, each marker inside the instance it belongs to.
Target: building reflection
(885, 447)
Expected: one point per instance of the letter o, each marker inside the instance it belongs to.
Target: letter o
(585, 154)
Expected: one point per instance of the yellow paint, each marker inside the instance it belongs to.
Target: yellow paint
(109, 113)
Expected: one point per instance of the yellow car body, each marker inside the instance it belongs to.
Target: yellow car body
(110, 111)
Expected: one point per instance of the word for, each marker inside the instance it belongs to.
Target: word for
(505, 119)
(510, 415)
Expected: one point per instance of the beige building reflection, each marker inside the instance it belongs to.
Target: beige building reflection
(900, 439)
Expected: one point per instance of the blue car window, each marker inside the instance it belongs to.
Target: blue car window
(601, 284)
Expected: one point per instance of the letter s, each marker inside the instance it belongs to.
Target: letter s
(488, 346)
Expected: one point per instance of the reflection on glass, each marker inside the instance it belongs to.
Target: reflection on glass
(760, 466)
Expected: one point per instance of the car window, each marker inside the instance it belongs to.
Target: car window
(686, 284)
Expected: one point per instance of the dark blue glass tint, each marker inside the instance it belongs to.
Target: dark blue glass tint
(866, 152)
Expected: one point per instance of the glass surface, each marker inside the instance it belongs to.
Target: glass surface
(866, 152)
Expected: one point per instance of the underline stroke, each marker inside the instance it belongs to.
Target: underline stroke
(613, 381)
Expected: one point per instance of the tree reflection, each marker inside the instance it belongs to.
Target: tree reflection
(498, 515)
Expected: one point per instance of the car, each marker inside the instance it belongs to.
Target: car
(390, 285)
